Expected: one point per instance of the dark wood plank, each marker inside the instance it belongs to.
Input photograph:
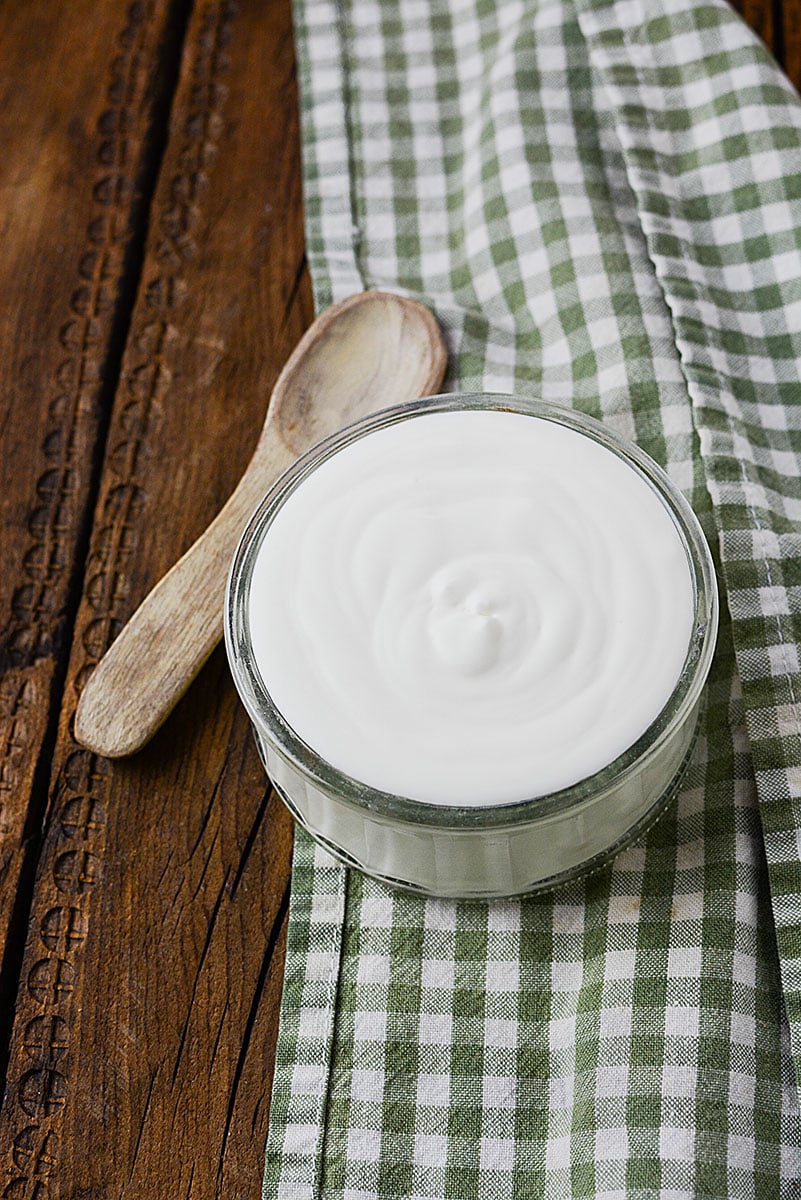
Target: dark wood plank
(78, 144)
(759, 15)
(788, 35)
(778, 24)
(146, 1017)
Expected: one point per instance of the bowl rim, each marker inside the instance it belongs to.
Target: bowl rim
(272, 726)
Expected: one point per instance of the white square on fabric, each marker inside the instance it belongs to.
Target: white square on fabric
(417, 12)
(308, 1079)
(437, 262)
(568, 918)
(313, 1023)
(744, 969)
(374, 969)
(438, 973)
(430, 1149)
(385, 263)
(369, 1026)
(562, 1032)
(567, 976)
(440, 914)
(301, 1139)
(320, 966)
(746, 909)
(679, 1082)
(367, 1086)
(603, 333)
(615, 1022)
(785, 461)
(557, 1153)
(376, 912)
(434, 1090)
(364, 1145)
(773, 416)
(787, 720)
(421, 74)
(681, 1021)
(504, 917)
(612, 1081)
(684, 962)
(742, 1089)
(688, 906)
(741, 1152)
(682, 475)
(763, 370)
(587, 241)
(619, 964)
(677, 1144)
(501, 1032)
(676, 419)
(783, 658)
(503, 975)
(499, 1091)
(743, 1029)
(624, 909)
(611, 1145)
(786, 267)
(497, 1154)
(515, 173)
(435, 1028)
(773, 601)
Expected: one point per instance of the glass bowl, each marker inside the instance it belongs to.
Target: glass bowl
(492, 850)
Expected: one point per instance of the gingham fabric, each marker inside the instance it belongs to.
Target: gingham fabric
(601, 200)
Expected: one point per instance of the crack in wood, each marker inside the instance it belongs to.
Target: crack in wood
(258, 991)
(221, 895)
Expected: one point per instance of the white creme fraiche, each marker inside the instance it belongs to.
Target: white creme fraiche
(471, 607)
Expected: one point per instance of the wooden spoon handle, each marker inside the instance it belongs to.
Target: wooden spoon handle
(160, 650)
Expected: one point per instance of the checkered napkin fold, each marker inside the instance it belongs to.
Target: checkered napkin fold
(601, 200)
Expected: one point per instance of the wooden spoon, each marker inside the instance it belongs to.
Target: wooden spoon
(366, 353)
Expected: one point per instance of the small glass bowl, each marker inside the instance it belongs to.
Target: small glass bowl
(499, 849)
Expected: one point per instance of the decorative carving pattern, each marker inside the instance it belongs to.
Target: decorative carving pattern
(147, 376)
(17, 705)
(37, 603)
(51, 980)
(63, 930)
(79, 800)
(33, 1155)
(46, 1039)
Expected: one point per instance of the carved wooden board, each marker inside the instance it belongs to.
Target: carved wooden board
(152, 283)
(162, 266)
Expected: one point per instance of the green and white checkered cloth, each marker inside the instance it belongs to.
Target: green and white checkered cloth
(601, 200)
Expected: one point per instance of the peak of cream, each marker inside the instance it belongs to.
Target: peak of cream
(471, 607)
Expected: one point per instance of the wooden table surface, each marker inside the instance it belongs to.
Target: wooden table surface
(152, 282)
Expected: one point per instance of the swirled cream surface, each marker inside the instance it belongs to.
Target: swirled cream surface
(471, 607)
